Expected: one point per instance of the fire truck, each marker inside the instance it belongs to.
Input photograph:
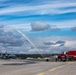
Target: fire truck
(67, 56)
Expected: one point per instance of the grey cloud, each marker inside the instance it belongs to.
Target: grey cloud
(8, 39)
(48, 43)
(43, 47)
(39, 43)
(39, 26)
(1, 26)
(54, 28)
(60, 42)
(2, 32)
(11, 41)
(15, 33)
(15, 44)
(73, 29)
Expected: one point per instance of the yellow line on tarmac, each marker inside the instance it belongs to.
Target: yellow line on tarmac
(52, 69)
(59, 66)
(55, 68)
(41, 74)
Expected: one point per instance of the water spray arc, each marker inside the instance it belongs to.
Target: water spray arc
(28, 41)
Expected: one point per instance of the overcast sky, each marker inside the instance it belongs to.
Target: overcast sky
(50, 25)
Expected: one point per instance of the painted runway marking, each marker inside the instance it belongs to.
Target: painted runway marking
(59, 66)
(41, 74)
(52, 69)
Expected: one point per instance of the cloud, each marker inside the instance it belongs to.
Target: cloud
(15, 43)
(13, 13)
(16, 13)
(73, 29)
(54, 44)
(64, 23)
(41, 9)
(8, 39)
(2, 32)
(60, 42)
(57, 43)
(45, 48)
(49, 43)
(39, 26)
(54, 28)
(1, 26)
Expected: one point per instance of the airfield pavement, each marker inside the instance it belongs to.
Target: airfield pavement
(31, 67)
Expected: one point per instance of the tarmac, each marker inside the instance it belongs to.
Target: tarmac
(31, 67)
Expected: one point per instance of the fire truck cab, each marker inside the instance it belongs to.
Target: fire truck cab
(68, 55)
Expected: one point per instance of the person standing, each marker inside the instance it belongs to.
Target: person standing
(56, 58)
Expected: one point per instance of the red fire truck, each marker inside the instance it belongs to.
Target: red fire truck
(68, 55)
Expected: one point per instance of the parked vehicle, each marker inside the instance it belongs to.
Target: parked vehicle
(68, 55)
